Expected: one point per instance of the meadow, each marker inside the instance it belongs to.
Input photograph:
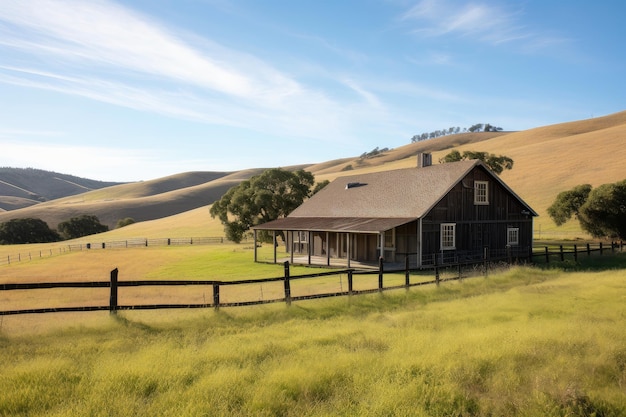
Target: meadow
(522, 342)
(529, 341)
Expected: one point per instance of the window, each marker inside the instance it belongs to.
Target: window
(481, 192)
(303, 236)
(448, 236)
(512, 236)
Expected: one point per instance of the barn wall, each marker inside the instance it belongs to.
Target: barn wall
(477, 225)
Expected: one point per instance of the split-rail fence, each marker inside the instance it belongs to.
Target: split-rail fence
(431, 274)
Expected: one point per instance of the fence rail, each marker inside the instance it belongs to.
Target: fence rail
(546, 254)
(440, 272)
(454, 272)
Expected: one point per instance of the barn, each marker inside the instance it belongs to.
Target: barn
(443, 213)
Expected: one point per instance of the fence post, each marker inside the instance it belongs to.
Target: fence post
(407, 280)
(113, 296)
(588, 250)
(601, 248)
(575, 253)
(287, 284)
(350, 288)
(216, 296)
(612, 247)
(380, 274)
(547, 256)
(436, 271)
(460, 273)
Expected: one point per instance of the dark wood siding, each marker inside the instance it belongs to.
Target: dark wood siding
(477, 225)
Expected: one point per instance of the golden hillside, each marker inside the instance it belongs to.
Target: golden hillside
(547, 159)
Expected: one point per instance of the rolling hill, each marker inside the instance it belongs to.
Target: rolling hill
(23, 187)
(548, 160)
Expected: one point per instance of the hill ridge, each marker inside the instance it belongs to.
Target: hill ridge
(547, 160)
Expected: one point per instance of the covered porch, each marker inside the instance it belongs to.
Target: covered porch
(343, 242)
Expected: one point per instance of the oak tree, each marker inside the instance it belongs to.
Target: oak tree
(271, 195)
(18, 231)
(600, 211)
(496, 163)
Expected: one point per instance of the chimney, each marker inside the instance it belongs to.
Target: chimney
(424, 159)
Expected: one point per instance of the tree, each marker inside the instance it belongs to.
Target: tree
(453, 156)
(319, 186)
(496, 163)
(269, 196)
(600, 211)
(18, 231)
(124, 222)
(81, 226)
(604, 212)
(568, 203)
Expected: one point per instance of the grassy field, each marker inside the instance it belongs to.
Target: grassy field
(527, 342)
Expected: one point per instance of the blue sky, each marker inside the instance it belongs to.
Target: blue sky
(136, 90)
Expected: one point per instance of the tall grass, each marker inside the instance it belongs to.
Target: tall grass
(521, 343)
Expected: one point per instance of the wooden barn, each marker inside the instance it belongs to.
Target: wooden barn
(442, 213)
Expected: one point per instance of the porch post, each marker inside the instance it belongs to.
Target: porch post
(308, 246)
(299, 243)
(273, 242)
(327, 249)
(291, 242)
(349, 248)
(382, 245)
(255, 257)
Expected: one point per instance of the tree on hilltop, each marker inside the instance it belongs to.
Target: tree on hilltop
(479, 127)
(496, 163)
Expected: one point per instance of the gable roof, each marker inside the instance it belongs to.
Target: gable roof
(386, 193)
(379, 201)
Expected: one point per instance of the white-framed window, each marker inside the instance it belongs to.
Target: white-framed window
(303, 237)
(481, 192)
(448, 236)
(512, 236)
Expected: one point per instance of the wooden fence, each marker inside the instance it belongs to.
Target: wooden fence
(59, 248)
(546, 254)
(402, 278)
(437, 275)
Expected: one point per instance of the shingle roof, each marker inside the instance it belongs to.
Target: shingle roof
(378, 201)
(407, 193)
(334, 224)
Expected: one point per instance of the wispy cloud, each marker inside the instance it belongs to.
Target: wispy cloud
(483, 22)
(106, 52)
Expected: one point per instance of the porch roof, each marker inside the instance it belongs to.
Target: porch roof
(336, 224)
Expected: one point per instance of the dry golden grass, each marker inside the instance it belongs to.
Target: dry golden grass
(548, 160)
